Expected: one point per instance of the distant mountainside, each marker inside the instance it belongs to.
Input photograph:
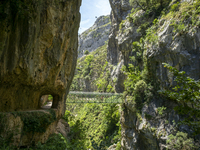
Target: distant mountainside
(95, 36)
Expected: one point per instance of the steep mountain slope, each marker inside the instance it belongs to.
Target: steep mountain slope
(148, 36)
(95, 36)
(93, 72)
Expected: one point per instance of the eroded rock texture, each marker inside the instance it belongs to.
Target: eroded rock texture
(150, 129)
(180, 50)
(38, 49)
(120, 9)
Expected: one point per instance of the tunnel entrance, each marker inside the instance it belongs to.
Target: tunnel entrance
(49, 101)
(46, 101)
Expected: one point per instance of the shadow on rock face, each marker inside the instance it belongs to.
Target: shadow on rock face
(38, 53)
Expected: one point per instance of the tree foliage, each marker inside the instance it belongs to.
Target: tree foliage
(86, 52)
(94, 70)
(187, 94)
(146, 4)
(180, 141)
(93, 126)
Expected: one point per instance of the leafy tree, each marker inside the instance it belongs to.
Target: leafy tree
(93, 126)
(86, 52)
(180, 142)
(95, 70)
(87, 68)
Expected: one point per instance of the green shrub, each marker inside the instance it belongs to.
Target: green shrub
(140, 87)
(138, 49)
(151, 35)
(118, 147)
(155, 21)
(36, 121)
(50, 97)
(143, 27)
(93, 126)
(136, 86)
(86, 52)
(160, 110)
(175, 7)
(178, 27)
(55, 141)
(149, 5)
(87, 67)
(121, 25)
(180, 141)
(187, 94)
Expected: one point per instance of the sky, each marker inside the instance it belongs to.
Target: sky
(90, 9)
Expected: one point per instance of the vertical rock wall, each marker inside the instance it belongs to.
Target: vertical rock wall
(38, 52)
(120, 9)
(151, 129)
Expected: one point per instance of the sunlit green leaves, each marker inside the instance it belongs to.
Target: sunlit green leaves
(99, 123)
(187, 94)
(180, 141)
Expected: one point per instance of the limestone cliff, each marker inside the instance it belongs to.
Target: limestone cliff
(38, 53)
(120, 9)
(168, 36)
(95, 36)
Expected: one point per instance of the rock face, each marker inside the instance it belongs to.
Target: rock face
(152, 129)
(38, 53)
(95, 36)
(38, 49)
(16, 129)
(120, 9)
(177, 48)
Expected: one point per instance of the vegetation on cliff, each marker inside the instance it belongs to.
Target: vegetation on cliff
(93, 72)
(137, 71)
(147, 5)
(93, 126)
(141, 85)
(97, 126)
(33, 122)
(152, 18)
(187, 94)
